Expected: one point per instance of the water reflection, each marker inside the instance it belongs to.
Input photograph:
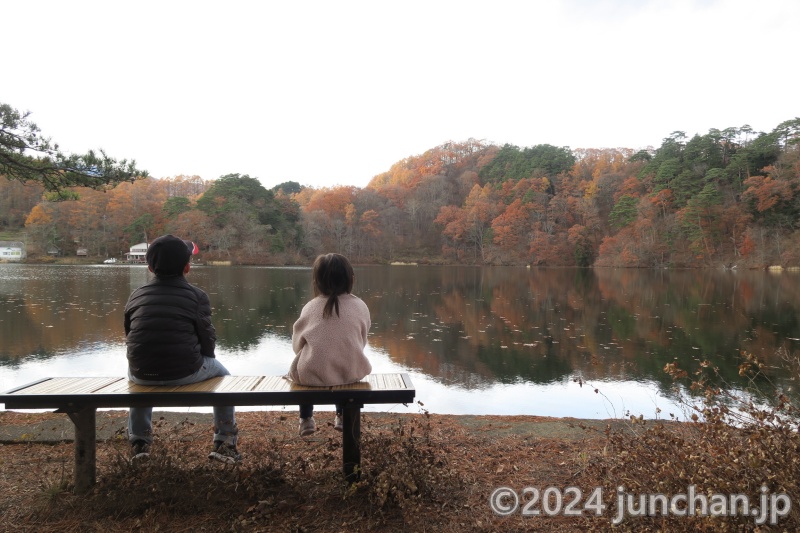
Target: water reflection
(468, 325)
(488, 340)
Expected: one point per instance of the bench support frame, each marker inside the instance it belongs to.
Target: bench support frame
(85, 448)
(351, 442)
(85, 421)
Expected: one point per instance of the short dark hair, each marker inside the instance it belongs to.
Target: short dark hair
(168, 255)
(332, 275)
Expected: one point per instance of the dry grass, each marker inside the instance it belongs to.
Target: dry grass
(745, 443)
(420, 473)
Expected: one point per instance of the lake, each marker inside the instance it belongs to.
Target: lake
(491, 340)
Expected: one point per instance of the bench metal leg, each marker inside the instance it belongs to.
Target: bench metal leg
(85, 448)
(351, 442)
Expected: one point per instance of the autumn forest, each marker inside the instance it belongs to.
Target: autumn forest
(727, 198)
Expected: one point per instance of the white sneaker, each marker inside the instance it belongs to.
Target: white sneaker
(338, 423)
(307, 426)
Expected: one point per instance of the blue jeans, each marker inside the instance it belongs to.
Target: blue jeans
(140, 424)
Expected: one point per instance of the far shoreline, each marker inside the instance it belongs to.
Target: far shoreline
(99, 261)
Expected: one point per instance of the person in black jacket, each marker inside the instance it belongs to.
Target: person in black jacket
(171, 341)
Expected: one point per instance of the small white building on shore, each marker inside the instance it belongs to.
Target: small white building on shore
(12, 251)
(137, 253)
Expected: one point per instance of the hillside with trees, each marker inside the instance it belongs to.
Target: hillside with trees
(729, 197)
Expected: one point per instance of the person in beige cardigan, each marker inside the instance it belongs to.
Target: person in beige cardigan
(330, 336)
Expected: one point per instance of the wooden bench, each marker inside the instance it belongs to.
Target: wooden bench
(80, 398)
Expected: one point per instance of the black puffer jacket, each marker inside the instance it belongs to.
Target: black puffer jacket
(168, 329)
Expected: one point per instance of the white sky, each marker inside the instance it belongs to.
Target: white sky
(335, 92)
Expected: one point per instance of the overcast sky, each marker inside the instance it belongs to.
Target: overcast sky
(327, 92)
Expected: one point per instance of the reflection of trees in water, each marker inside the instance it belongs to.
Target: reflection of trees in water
(542, 325)
(58, 309)
(687, 316)
(476, 320)
(461, 325)
(248, 303)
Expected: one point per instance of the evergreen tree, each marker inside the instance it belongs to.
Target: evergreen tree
(27, 156)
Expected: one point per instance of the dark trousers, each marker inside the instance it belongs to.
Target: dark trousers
(307, 410)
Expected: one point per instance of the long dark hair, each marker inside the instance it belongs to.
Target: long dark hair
(332, 275)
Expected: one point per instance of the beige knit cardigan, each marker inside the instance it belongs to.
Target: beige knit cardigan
(330, 351)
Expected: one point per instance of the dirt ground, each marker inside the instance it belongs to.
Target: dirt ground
(420, 473)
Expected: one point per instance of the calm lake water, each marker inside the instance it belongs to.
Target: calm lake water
(497, 340)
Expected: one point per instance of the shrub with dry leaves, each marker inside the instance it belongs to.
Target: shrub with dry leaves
(736, 443)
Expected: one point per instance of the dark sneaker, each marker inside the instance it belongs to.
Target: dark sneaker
(225, 453)
(139, 450)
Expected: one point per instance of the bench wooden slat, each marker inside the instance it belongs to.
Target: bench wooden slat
(134, 388)
(68, 386)
(232, 383)
(386, 381)
(359, 385)
(122, 386)
(273, 384)
(297, 387)
(223, 384)
(209, 385)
